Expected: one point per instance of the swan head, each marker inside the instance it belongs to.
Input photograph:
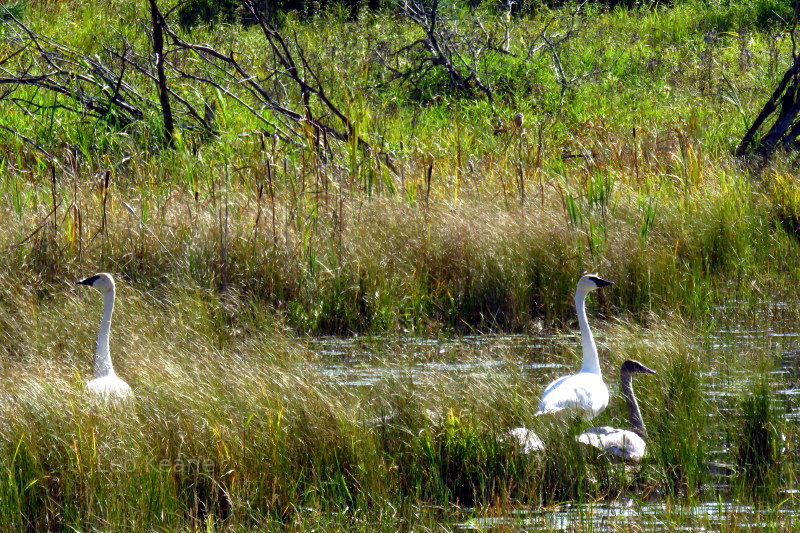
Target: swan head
(103, 282)
(634, 367)
(591, 282)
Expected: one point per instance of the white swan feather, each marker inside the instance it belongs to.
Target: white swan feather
(106, 384)
(584, 392)
(527, 441)
(621, 443)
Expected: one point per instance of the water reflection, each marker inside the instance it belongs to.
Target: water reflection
(635, 516)
(367, 361)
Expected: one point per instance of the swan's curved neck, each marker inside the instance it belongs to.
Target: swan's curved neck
(591, 362)
(634, 415)
(102, 354)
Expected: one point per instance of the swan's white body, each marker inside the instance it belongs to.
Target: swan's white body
(526, 440)
(622, 443)
(106, 384)
(584, 392)
(109, 386)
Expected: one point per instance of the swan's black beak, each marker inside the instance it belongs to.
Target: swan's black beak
(645, 370)
(88, 281)
(600, 282)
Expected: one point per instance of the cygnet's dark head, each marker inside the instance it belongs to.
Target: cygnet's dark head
(634, 367)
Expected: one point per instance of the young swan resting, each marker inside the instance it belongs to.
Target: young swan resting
(105, 384)
(526, 440)
(628, 445)
(585, 391)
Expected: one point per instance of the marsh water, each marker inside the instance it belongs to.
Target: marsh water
(352, 361)
(771, 329)
(632, 516)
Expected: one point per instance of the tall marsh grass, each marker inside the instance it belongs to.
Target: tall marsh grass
(247, 430)
(378, 265)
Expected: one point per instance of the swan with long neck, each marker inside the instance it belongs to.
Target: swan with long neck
(106, 383)
(584, 392)
(625, 444)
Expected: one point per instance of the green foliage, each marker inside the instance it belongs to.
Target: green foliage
(758, 440)
(12, 9)
(196, 12)
(680, 427)
(730, 15)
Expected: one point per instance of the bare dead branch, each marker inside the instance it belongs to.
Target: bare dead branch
(161, 77)
(785, 97)
(57, 68)
(236, 80)
(445, 47)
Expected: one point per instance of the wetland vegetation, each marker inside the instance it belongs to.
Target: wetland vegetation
(374, 196)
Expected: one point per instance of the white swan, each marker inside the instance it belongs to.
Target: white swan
(585, 391)
(105, 384)
(622, 443)
(527, 441)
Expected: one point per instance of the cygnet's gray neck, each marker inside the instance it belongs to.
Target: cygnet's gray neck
(634, 415)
